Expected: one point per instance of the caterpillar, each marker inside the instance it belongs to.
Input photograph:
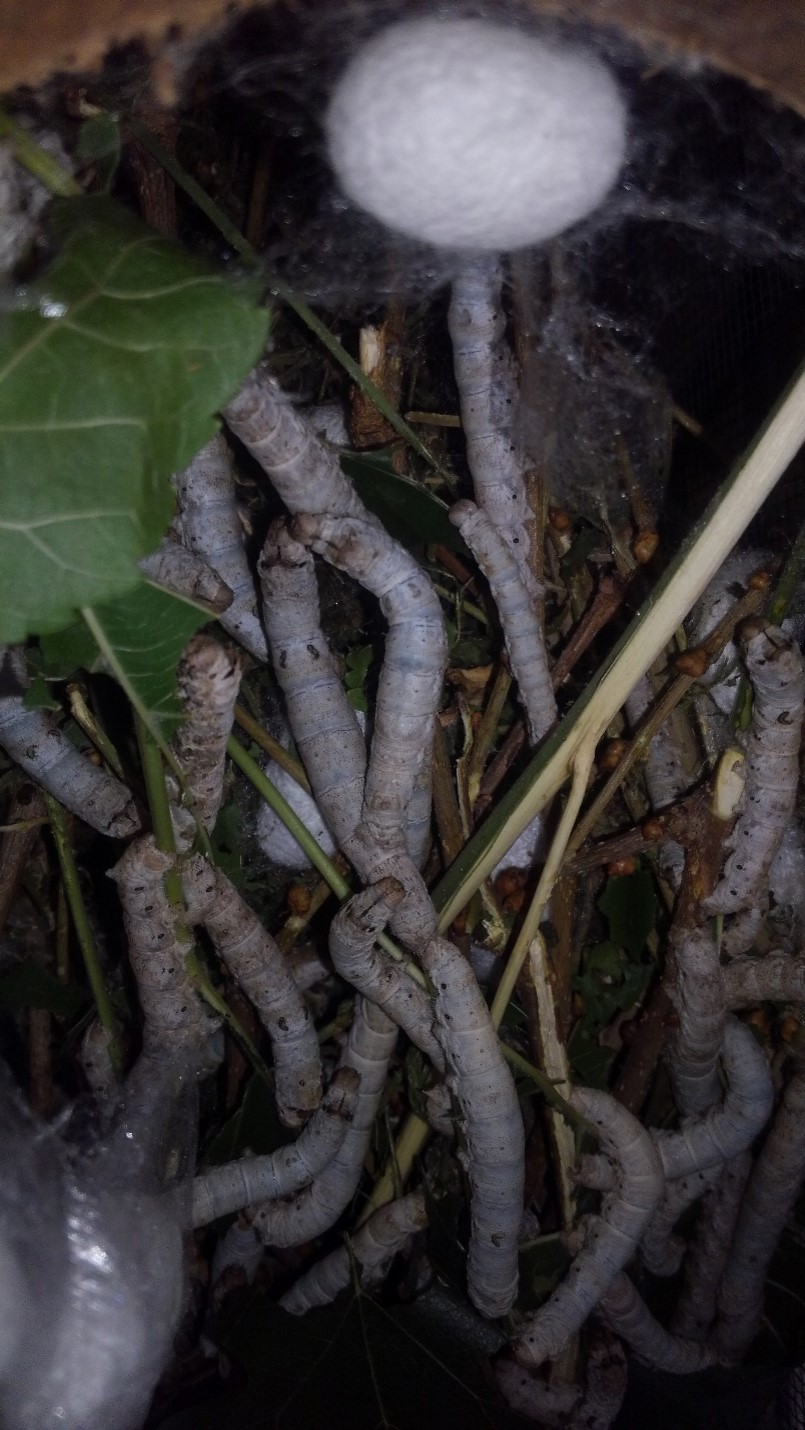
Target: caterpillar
(185, 574)
(254, 959)
(519, 618)
(374, 974)
(324, 725)
(209, 679)
(34, 741)
(591, 1406)
(413, 668)
(777, 673)
(373, 1247)
(708, 1253)
(175, 1017)
(209, 525)
(613, 1236)
(661, 1252)
(768, 1201)
(304, 470)
(694, 981)
(221, 1190)
(626, 1313)
(487, 389)
(493, 1126)
(318, 1206)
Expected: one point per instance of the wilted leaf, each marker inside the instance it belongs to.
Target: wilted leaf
(110, 372)
(409, 511)
(630, 905)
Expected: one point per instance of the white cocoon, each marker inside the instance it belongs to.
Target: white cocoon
(473, 135)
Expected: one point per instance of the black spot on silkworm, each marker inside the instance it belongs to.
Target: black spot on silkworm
(313, 651)
(283, 661)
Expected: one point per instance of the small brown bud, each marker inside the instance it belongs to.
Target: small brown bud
(560, 519)
(789, 1027)
(628, 1031)
(621, 868)
(652, 830)
(578, 1005)
(644, 546)
(759, 581)
(298, 899)
(758, 1019)
(693, 662)
(611, 755)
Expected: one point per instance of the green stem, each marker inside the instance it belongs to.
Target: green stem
(280, 289)
(81, 924)
(37, 161)
(159, 805)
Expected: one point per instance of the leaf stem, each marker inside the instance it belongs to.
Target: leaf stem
(81, 924)
(272, 747)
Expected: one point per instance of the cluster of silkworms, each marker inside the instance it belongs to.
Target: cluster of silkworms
(375, 801)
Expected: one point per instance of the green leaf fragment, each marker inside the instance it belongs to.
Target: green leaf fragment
(30, 985)
(411, 513)
(629, 903)
(110, 375)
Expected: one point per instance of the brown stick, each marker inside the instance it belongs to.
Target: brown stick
(16, 844)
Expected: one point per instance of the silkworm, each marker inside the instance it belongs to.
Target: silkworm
(304, 470)
(591, 1406)
(775, 978)
(777, 672)
(493, 1126)
(255, 960)
(185, 574)
(373, 1247)
(209, 679)
(768, 1201)
(487, 390)
(221, 1190)
(709, 1251)
(727, 1130)
(323, 723)
(661, 1252)
(626, 1313)
(613, 1235)
(37, 744)
(665, 773)
(374, 973)
(175, 1017)
(239, 1250)
(318, 1206)
(693, 979)
(519, 617)
(210, 526)
(413, 668)
(95, 1059)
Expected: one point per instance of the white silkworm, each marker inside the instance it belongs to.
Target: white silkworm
(324, 725)
(413, 668)
(727, 1130)
(776, 978)
(95, 1059)
(665, 773)
(303, 469)
(239, 1249)
(209, 679)
(185, 574)
(493, 1126)
(487, 390)
(519, 618)
(210, 527)
(318, 1206)
(613, 1236)
(374, 973)
(592, 1406)
(707, 1256)
(34, 741)
(373, 1246)
(255, 960)
(695, 986)
(661, 1252)
(722, 679)
(770, 1196)
(221, 1190)
(626, 1313)
(777, 672)
(175, 1017)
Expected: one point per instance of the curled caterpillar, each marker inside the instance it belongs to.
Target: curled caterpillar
(373, 1247)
